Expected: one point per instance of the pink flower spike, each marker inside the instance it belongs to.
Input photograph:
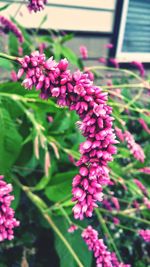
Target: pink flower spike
(72, 228)
(109, 46)
(7, 220)
(14, 76)
(146, 202)
(50, 118)
(102, 60)
(116, 220)
(20, 51)
(140, 186)
(134, 148)
(83, 51)
(145, 234)
(36, 5)
(114, 62)
(144, 125)
(104, 258)
(145, 170)
(139, 66)
(119, 134)
(20, 73)
(10, 26)
(115, 202)
(78, 92)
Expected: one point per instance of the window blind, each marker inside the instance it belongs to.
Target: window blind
(137, 28)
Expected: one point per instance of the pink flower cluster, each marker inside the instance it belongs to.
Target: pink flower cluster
(139, 66)
(36, 5)
(102, 60)
(10, 26)
(146, 202)
(134, 148)
(83, 51)
(145, 234)
(78, 93)
(7, 220)
(116, 263)
(140, 186)
(114, 62)
(115, 201)
(104, 258)
(72, 228)
(145, 170)
(108, 203)
(144, 125)
(119, 134)
(109, 46)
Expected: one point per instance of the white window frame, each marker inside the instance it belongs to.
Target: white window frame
(127, 56)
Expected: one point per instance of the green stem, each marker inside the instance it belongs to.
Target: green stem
(131, 108)
(106, 231)
(65, 214)
(134, 85)
(2, 55)
(40, 204)
(128, 72)
(135, 98)
(121, 213)
(68, 218)
(123, 227)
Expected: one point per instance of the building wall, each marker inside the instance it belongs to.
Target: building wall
(91, 20)
(79, 15)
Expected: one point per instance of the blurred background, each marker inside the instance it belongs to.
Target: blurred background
(110, 33)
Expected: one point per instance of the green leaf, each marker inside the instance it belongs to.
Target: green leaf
(27, 44)
(45, 38)
(75, 241)
(37, 200)
(73, 153)
(12, 88)
(42, 21)
(125, 153)
(66, 37)
(10, 141)
(24, 160)
(4, 7)
(135, 191)
(58, 192)
(60, 186)
(5, 64)
(63, 177)
(70, 55)
(57, 50)
(16, 193)
(13, 44)
(43, 183)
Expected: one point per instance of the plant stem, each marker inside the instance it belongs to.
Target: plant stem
(40, 204)
(65, 214)
(122, 226)
(56, 230)
(134, 85)
(121, 213)
(106, 231)
(5, 56)
(128, 72)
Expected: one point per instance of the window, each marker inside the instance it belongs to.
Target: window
(132, 31)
